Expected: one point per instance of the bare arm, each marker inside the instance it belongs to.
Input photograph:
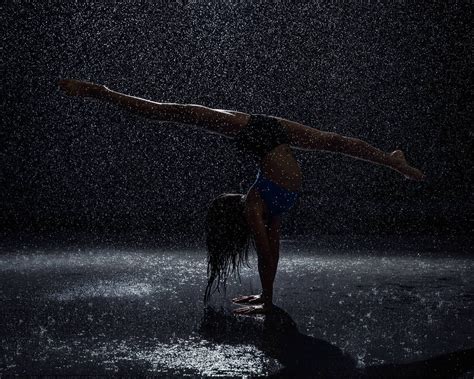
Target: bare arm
(274, 235)
(265, 244)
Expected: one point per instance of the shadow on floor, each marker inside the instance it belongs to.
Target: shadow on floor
(303, 356)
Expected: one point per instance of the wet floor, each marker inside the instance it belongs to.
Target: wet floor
(134, 312)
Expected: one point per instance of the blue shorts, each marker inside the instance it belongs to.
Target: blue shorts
(276, 198)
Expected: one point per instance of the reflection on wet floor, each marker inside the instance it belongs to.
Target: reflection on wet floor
(106, 288)
(193, 355)
(141, 312)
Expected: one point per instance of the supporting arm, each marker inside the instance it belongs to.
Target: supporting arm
(267, 244)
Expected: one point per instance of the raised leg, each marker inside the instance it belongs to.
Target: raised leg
(227, 123)
(306, 138)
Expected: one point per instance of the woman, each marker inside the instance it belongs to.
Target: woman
(233, 218)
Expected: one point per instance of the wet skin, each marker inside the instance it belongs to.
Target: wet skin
(279, 165)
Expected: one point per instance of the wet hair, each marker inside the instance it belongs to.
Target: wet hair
(227, 240)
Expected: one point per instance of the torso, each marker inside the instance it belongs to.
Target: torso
(281, 167)
(266, 139)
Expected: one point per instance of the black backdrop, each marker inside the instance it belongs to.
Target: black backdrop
(395, 75)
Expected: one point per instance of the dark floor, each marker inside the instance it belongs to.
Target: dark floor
(341, 314)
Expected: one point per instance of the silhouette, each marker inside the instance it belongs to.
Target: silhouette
(235, 219)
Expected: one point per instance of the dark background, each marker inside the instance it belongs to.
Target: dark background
(395, 75)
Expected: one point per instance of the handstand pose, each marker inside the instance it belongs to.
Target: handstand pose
(233, 218)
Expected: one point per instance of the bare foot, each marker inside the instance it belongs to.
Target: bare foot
(254, 310)
(250, 299)
(74, 87)
(402, 166)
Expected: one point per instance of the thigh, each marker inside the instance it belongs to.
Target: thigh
(307, 138)
(219, 121)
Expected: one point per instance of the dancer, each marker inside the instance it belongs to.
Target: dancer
(233, 220)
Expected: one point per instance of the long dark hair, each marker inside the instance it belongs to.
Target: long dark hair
(227, 240)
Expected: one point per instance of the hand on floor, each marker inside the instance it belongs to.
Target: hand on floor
(249, 299)
(253, 310)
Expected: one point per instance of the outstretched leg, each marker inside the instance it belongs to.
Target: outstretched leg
(227, 123)
(306, 138)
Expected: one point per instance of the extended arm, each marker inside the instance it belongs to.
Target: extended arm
(306, 138)
(267, 245)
